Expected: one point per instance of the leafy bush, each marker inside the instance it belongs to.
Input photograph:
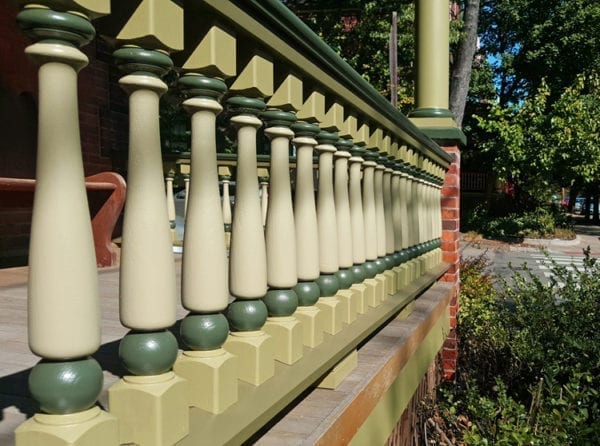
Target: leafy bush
(529, 359)
(540, 222)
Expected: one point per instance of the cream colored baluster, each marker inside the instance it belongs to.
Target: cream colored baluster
(307, 240)
(282, 274)
(186, 182)
(396, 195)
(225, 175)
(327, 227)
(247, 257)
(344, 233)
(63, 306)
(410, 230)
(389, 227)
(281, 300)
(171, 205)
(210, 370)
(370, 215)
(151, 403)
(358, 230)
(263, 181)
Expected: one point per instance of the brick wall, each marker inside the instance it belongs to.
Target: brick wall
(451, 254)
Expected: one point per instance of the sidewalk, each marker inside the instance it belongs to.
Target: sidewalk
(586, 235)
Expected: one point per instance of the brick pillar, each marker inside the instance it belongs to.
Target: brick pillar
(451, 255)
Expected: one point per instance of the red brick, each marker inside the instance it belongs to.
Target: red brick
(450, 236)
(450, 202)
(450, 214)
(452, 245)
(451, 180)
(450, 225)
(449, 354)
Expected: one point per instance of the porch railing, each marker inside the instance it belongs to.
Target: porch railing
(289, 300)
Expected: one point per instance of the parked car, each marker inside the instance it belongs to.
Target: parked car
(579, 206)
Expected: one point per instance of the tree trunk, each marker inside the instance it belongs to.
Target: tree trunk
(461, 69)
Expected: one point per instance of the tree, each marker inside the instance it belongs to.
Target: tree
(465, 54)
(358, 30)
(540, 144)
(531, 40)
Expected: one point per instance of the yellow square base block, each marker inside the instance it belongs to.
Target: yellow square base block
(332, 310)
(255, 351)
(90, 427)
(212, 378)
(152, 410)
(287, 335)
(391, 282)
(387, 285)
(361, 297)
(412, 270)
(312, 325)
(404, 274)
(342, 369)
(350, 297)
(378, 283)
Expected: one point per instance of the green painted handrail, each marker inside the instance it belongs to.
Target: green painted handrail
(277, 17)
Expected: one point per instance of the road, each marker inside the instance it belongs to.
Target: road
(535, 254)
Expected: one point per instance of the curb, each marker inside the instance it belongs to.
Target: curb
(552, 242)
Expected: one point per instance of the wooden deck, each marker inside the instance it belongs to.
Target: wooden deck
(318, 414)
(16, 359)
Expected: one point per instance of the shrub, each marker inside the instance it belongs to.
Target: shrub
(541, 222)
(529, 359)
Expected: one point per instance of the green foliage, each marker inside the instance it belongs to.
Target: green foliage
(359, 30)
(529, 360)
(540, 144)
(537, 39)
(541, 222)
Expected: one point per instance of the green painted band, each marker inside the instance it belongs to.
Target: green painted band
(344, 144)
(328, 284)
(63, 387)
(246, 315)
(242, 104)
(327, 138)
(43, 24)
(370, 269)
(359, 273)
(371, 155)
(389, 261)
(202, 86)
(204, 331)
(380, 265)
(281, 302)
(148, 353)
(431, 112)
(308, 293)
(358, 151)
(278, 118)
(345, 278)
(302, 128)
(140, 60)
